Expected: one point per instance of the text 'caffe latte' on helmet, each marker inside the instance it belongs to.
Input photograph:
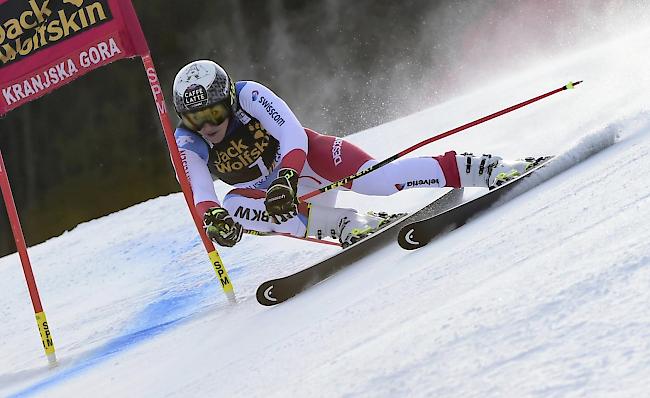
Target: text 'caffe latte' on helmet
(203, 93)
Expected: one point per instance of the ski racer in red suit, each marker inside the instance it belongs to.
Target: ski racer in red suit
(245, 135)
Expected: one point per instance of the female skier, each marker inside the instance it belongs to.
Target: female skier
(245, 135)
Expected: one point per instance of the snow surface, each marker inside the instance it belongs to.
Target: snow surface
(546, 296)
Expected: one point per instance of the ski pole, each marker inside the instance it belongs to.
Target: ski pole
(306, 238)
(384, 162)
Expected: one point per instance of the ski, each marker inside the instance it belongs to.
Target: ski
(276, 291)
(414, 235)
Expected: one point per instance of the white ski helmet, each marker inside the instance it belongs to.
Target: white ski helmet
(202, 85)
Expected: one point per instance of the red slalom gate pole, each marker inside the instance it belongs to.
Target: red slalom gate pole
(384, 162)
(213, 255)
(19, 238)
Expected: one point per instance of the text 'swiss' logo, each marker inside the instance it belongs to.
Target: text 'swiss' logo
(29, 26)
(183, 140)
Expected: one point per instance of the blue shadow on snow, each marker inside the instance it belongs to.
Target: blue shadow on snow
(171, 309)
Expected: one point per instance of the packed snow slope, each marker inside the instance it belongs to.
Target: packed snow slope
(545, 296)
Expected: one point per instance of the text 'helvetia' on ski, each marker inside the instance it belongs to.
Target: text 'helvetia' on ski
(413, 231)
(414, 235)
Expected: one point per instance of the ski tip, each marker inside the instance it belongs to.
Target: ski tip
(407, 239)
(265, 296)
(572, 85)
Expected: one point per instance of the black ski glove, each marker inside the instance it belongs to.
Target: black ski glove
(281, 196)
(221, 228)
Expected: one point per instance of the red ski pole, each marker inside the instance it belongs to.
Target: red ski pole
(306, 238)
(384, 162)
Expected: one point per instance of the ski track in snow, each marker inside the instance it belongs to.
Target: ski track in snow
(545, 295)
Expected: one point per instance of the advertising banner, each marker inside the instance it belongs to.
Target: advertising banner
(45, 44)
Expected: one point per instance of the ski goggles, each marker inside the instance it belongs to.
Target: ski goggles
(215, 114)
